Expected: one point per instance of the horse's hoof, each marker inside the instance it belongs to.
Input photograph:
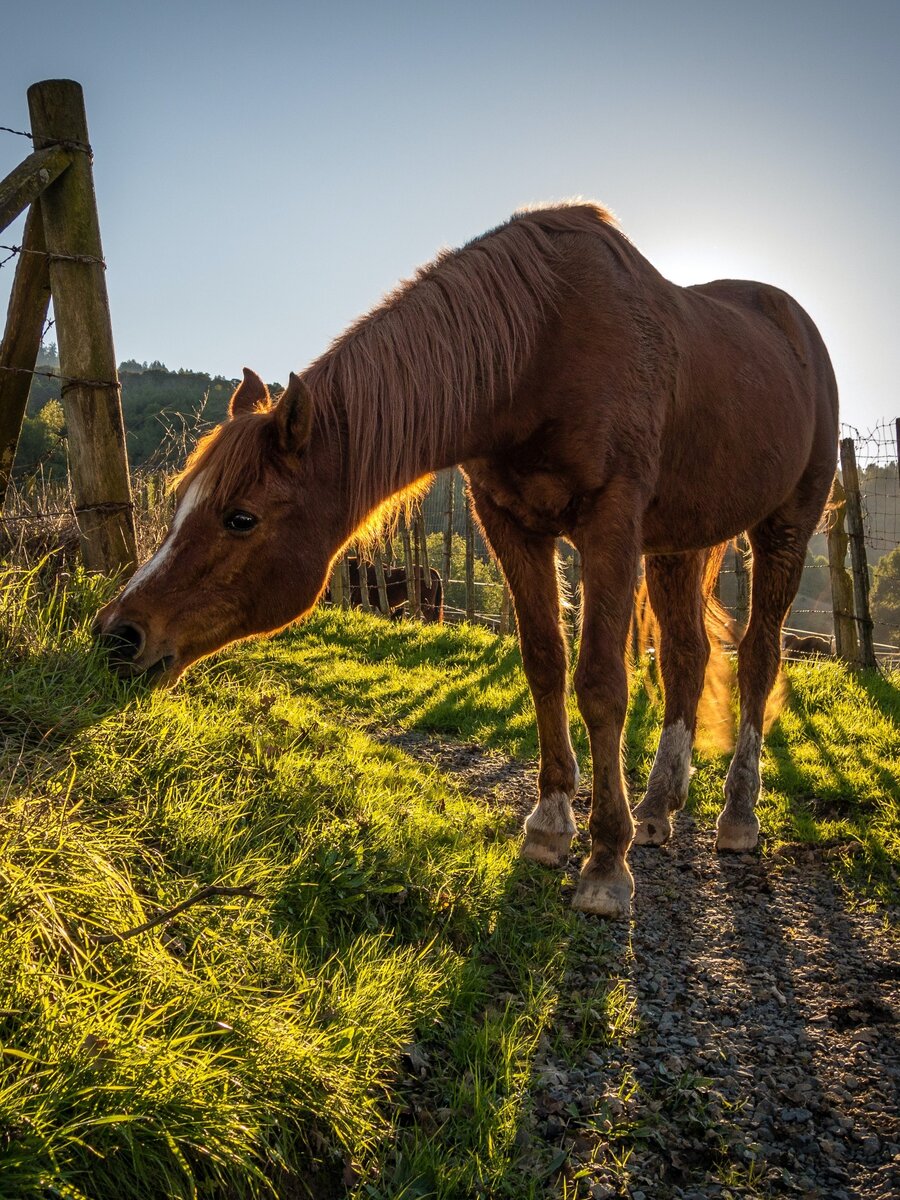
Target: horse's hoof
(549, 830)
(736, 836)
(549, 849)
(605, 896)
(651, 830)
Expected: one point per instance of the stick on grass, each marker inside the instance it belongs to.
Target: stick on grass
(213, 889)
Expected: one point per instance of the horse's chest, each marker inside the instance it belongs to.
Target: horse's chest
(540, 501)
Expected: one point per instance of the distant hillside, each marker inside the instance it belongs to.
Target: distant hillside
(164, 412)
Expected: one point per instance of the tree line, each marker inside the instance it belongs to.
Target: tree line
(164, 411)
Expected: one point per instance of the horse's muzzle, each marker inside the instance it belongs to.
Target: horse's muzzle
(123, 643)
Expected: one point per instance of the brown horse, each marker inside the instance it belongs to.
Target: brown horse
(585, 397)
(431, 591)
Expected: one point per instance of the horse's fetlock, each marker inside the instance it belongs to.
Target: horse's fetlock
(549, 829)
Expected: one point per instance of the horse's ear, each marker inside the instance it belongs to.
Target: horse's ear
(294, 414)
(251, 394)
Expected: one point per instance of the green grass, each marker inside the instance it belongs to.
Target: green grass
(252, 1041)
(831, 763)
(256, 1046)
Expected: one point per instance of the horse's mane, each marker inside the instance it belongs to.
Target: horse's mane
(232, 457)
(405, 377)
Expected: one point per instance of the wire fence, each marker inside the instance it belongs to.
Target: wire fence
(877, 460)
(442, 537)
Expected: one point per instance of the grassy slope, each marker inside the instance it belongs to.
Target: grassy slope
(255, 1042)
(831, 766)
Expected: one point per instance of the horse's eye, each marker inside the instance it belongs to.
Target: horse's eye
(240, 521)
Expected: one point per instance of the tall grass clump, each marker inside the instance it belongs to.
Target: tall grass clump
(251, 1045)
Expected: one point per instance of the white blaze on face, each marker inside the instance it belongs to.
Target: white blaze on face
(192, 497)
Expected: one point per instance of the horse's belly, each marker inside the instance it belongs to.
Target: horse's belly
(705, 507)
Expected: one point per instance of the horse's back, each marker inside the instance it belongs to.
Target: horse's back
(753, 414)
(768, 311)
(810, 392)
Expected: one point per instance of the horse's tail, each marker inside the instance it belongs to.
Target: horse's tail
(715, 717)
(715, 713)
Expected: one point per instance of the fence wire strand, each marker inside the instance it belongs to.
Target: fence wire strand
(89, 259)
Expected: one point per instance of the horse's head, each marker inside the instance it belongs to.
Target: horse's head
(256, 524)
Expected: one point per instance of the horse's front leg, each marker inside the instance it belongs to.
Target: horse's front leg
(609, 541)
(529, 564)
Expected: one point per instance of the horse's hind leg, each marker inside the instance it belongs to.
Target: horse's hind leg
(674, 584)
(779, 551)
(529, 564)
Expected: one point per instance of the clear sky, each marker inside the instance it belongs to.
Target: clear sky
(266, 171)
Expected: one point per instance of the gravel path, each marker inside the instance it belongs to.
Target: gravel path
(764, 1041)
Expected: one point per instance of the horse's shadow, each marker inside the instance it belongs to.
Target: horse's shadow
(883, 691)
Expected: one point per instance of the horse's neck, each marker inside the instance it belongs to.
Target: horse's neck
(407, 456)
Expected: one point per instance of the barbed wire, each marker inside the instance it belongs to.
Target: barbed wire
(106, 506)
(876, 451)
(51, 256)
(67, 381)
(66, 143)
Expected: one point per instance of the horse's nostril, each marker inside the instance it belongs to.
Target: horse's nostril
(124, 642)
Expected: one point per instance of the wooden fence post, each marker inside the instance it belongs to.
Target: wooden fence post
(423, 538)
(409, 567)
(741, 580)
(25, 183)
(347, 596)
(417, 564)
(845, 641)
(576, 591)
(336, 586)
(505, 607)
(470, 564)
(87, 361)
(362, 567)
(856, 532)
(447, 559)
(381, 580)
(28, 304)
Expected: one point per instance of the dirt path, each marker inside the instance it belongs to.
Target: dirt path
(765, 1044)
